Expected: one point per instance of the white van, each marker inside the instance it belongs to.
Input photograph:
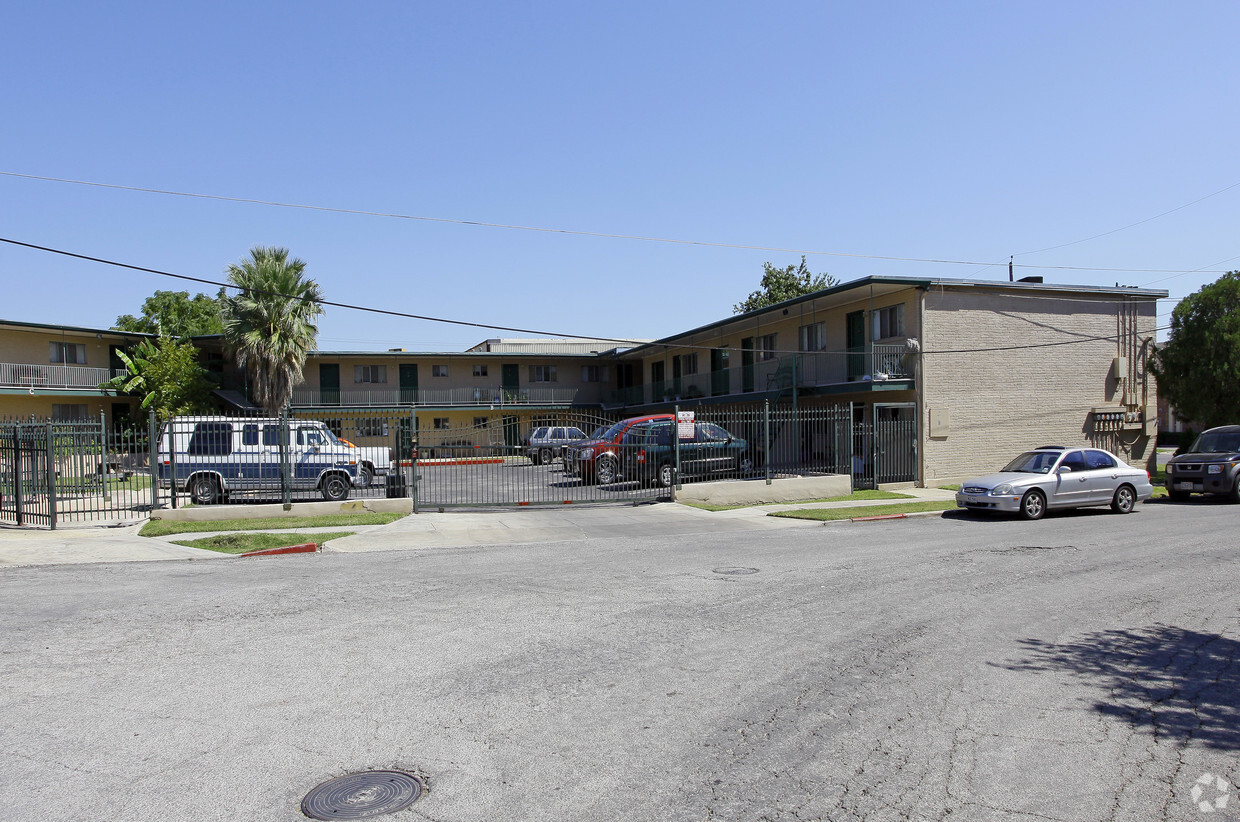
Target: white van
(210, 457)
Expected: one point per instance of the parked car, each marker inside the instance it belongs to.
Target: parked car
(1057, 477)
(546, 442)
(1211, 465)
(598, 458)
(210, 457)
(648, 453)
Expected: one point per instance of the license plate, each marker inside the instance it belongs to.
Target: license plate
(1183, 486)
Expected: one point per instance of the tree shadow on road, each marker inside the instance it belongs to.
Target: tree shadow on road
(1161, 679)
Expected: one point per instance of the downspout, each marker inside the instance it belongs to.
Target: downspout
(919, 385)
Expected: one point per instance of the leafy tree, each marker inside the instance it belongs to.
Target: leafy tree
(269, 326)
(176, 314)
(167, 375)
(779, 284)
(1198, 368)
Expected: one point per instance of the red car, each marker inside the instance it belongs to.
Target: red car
(598, 459)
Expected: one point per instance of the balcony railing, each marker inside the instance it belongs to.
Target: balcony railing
(31, 375)
(489, 396)
(878, 363)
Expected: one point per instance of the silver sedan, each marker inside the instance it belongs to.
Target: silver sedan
(1058, 477)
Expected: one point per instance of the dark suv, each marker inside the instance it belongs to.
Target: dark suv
(648, 452)
(1210, 466)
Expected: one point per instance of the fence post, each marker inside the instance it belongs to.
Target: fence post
(51, 476)
(285, 491)
(152, 445)
(676, 448)
(413, 458)
(17, 473)
(766, 438)
(103, 464)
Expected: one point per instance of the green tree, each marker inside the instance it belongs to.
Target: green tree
(269, 326)
(176, 314)
(779, 284)
(1198, 368)
(167, 375)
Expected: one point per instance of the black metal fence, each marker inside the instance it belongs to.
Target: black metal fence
(57, 471)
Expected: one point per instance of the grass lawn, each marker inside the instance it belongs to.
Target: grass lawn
(162, 528)
(864, 511)
(244, 543)
(856, 495)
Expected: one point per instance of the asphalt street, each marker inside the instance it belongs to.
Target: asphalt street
(1084, 667)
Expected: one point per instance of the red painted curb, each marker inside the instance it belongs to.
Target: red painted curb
(881, 516)
(304, 548)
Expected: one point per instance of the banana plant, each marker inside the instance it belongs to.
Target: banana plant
(135, 381)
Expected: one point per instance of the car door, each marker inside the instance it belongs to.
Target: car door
(1102, 476)
(1071, 487)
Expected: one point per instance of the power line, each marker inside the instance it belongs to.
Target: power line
(621, 341)
(578, 233)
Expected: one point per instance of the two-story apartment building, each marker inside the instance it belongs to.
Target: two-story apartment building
(983, 368)
(979, 369)
(54, 371)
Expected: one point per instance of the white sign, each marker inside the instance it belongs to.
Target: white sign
(684, 425)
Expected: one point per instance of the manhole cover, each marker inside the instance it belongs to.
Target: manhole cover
(735, 572)
(362, 795)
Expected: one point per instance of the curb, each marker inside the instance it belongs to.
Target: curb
(304, 548)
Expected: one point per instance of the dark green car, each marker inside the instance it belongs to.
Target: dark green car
(647, 454)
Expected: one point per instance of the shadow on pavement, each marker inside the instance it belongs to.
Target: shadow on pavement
(1161, 679)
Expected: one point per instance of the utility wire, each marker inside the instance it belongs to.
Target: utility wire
(600, 234)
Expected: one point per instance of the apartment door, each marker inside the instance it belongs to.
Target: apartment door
(329, 383)
(510, 381)
(854, 330)
(409, 382)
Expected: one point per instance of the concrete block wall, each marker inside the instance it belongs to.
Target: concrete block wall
(1001, 400)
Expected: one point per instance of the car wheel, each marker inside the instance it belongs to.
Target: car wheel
(1033, 504)
(666, 475)
(205, 490)
(365, 476)
(1125, 500)
(335, 488)
(605, 471)
(546, 456)
(1234, 495)
(745, 465)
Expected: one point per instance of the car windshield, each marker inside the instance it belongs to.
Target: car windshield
(613, 432)
(1033, 462)
(1212, 442)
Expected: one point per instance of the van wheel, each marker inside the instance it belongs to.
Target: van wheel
(205, 490)
(365, 476)
(335, 488)
(546, 456)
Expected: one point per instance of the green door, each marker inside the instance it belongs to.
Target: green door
(408, 383)
(329, 383)
(854, 328)
(510, 381)
(720, 377)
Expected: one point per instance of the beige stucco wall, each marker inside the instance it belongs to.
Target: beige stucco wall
(999, 402)
(22, 346)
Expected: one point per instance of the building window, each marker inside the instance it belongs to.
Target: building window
(813, 337)
(766, 347)
(595, 373)
(65, 411)
(439, 423)
(480, 422)
(480, 370)
(67, 353)
(542, 373)
(372, 427)
(439, 370)
(369, 373)
(688, 363)
(888, 322)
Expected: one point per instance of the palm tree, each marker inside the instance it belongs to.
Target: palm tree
(269, 325)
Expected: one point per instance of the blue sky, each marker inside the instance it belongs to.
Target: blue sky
(961, 131)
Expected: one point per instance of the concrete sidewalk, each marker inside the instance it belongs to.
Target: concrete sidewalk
(24, 547)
